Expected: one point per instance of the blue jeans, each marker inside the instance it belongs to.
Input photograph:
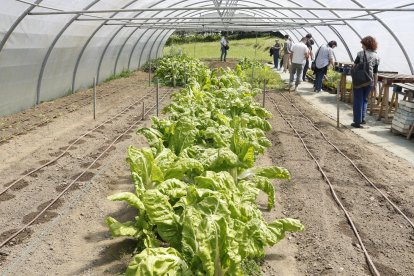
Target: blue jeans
(223, 54)
(360, 104)
(276, 60)
(319, 79)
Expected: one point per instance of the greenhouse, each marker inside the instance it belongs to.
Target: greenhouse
(204, 138)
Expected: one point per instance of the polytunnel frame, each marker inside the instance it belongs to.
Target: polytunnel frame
(202, 9)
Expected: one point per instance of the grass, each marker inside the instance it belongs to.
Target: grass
(238, 49)
(123, 74)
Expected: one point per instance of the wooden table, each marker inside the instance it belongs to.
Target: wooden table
(345, 69)
(406, 89)
(385, 106)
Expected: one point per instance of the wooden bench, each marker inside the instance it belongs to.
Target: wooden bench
(382, 103)
(408, 91)
(345, 69)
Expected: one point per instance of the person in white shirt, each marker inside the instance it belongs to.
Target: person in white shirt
(224, 47)
(300, 53)
(324, 58)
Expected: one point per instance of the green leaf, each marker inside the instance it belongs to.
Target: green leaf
(158, 261)
(161, 213)
(130, 198)
(119, 229)
(145, 173)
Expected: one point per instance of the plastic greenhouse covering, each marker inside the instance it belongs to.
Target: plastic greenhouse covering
(50, 48)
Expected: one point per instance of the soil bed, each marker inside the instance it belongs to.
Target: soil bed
(72, 238)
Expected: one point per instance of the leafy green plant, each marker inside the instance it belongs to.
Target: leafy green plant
(196, 186)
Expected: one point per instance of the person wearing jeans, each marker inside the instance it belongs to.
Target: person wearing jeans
(300, 53)
(360, 105)
(361, 92)
(223, 47)
(323, 60)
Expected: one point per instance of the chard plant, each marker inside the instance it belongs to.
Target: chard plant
(196, 185)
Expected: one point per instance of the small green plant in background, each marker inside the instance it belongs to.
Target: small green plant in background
(124, 74)
(256, 73)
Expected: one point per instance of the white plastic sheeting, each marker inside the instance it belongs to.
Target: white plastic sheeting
(50, 48)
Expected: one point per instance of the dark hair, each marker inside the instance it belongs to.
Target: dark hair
(286, 36)
(332, 43)
(370, 43)
(310, 42)
(308, 36)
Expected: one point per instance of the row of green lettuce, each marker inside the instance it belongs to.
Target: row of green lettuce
(196, 186)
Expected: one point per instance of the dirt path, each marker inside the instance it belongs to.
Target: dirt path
(72, 239)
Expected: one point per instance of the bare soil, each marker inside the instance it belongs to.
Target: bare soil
(72, 238)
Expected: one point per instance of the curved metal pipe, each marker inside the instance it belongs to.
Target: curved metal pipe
(75, 70)
(17, 22)
(49, 51)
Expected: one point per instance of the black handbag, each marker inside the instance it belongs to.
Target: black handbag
(227, 47)
(360, 74)
(313, 64)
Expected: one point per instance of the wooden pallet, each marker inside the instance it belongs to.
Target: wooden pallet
(406, 134)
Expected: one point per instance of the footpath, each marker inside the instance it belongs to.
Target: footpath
(376, 132)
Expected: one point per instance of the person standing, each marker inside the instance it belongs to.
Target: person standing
(361, 92)
(309, 44)
(300, 53)
(287, 47)
(324, 59)
(224, 47)
(276, 54)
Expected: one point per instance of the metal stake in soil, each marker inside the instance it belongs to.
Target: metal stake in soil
(338, 92)
(264, 91)
(94, 98)
(143, 111)
(157, 97)
(149, 74)
(185, 73)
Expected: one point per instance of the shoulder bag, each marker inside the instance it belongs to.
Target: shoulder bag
(360, 74)
(313, 65)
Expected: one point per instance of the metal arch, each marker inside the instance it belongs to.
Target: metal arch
(52, 45)
(182, 13)
(140, 56)
(126, 40)
(153, 44)
(75, 70)
(136, 43)
(407, 58)
(163, 40)
(145, 45)
(337, 33)
(17, 22)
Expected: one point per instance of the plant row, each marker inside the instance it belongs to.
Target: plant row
(196, 186)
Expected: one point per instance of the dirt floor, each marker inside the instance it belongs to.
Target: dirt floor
(72, 238)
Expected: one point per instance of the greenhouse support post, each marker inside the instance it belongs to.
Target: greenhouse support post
(143, 111)
(94, 98)
(149, 74)
(264, 91)
(157, 97)
(337, 104)
(185, 73)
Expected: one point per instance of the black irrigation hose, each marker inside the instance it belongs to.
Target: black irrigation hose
(67, 149)
(355, 166)
(371, 265)
(74, 181)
